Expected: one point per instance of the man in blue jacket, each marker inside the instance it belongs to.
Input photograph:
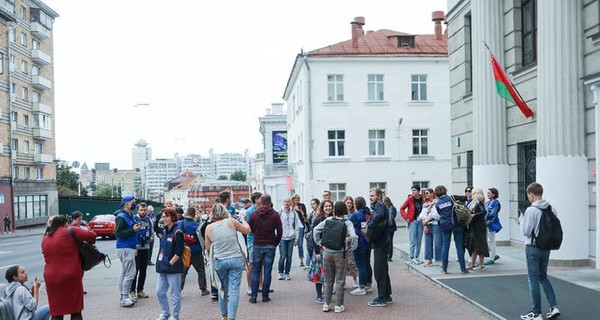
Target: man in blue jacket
(125, 231)
(189, 226)
(380, 251)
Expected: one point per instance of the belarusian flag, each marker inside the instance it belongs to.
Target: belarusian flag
(507, 90)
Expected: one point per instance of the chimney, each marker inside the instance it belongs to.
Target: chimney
(357, 30)
(438, 17)
(276, 108)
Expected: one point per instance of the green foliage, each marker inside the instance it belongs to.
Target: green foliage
(104, 190)
(66, 180)
(222, 177)
(238, 175)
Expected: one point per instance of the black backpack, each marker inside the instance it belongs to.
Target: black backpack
(550, 234)
(334, 234)
(461, 212)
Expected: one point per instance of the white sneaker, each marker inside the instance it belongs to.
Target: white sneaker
(368, 289)
(133, 296)
(127, 302)
(173, 318)
(416, 261)
(355, 285)
(287, 277)
(358, 292)
(531, 316)
(553, 313)
(339, 309)
(280, 276)
(325, 307)
(249, 291)
(162, 317)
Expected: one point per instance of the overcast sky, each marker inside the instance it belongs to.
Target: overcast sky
(207, 69)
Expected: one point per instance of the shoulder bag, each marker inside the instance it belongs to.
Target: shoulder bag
(89, 254)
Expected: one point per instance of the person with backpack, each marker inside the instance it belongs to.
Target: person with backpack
(22, 304)
(380, 249)
(336, 235)
(362, 253)
(393, 227)
(537, 258)
(189, 226)
(449, 226)
(410, 210)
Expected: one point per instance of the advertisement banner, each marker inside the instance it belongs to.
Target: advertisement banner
(280, 146)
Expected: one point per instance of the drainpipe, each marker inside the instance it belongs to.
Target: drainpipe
(309, 116)
(13, 154)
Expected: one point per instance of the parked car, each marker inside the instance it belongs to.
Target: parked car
(103, 225)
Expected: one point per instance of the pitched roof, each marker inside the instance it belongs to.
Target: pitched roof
(384, 42)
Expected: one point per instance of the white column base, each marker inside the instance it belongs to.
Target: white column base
(564, 179)
(496, 176)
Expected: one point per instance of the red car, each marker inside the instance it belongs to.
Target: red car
(103, 225)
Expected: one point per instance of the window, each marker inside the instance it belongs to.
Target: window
(37, 148)
(338, 191)
(29, 207)
(15, 172)
(35, 44)
(13, 88)
(380, 185)
(529, 32)
(24, 66)
(470, 168)
(26, 173)
(36, 97)
(376, 142)
(375, 87)
(37, 15)
(39, 173)
(418, 87)
(15, 145)
(419, 137)
(12, 35)
(423, 184)
(25, 146)
(35, 71)
(14, 116)
(1, 63)
(336, 142)
(335, 87)
(468, 55)
(22, 12)
(23, 39)
(25, 120)
(24, 93)
(43, 121)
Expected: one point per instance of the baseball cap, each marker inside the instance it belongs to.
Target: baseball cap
(126, 199)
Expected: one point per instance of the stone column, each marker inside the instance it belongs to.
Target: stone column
(490, 167)
(596, 92)
(561, 160)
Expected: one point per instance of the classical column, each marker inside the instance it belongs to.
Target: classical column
(596, 92)
(561, 160)
(490, 167)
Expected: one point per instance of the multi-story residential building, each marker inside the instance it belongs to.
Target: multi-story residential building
(550, 51)
(27, 142)
(140, 154)
(215, 165)
(372, 111)
(274, 159)
(156, 174)
(102, 166)
(121, 181)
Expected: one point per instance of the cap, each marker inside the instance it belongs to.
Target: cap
(126, 199)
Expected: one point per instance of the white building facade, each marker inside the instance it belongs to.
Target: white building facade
(549, 49)
(274, 160)
(372, 111)
(156, 173)
(140, 154)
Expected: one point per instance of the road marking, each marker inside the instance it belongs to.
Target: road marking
(3, 252)
(11, 243)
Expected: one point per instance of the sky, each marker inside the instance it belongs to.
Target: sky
(188, 75)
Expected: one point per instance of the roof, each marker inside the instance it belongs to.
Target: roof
(384, 42)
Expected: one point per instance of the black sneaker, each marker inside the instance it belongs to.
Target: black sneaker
(266, 299)
(388, 300)
(252, 300)
(377, 303)
(553, 313)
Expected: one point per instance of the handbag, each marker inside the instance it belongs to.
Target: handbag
(376, 230)
(89, 254)
(495, 226)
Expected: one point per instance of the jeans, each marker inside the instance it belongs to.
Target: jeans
(301, 243)
(230, 274)
(286, 248)
(141, 264)
(42, 313)
(391, 247)
(362, 260)
(382, 275)
(415, 234)
(537, 268)
(127, 257)
(433, 243)
(197, 262)
(458, 242)
(263, 256)
(334, 270)
(163, 283)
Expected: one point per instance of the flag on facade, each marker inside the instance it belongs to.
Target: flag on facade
(290, 183)
(507, 90)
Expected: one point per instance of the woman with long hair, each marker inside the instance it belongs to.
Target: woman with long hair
(477, 229)
(429, 218)
(315, 269)
(63, 273)
(225, 249)
(350, 263)
(387, 201)
(314, 205)
(492, 208)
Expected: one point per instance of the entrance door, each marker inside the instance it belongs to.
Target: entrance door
(526, 171)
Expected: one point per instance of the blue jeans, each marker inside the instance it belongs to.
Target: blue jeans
(164, 282)
(458, 242)
(263, 256)
(286, 248)
(230, 274)
(301, 243)
(42, 313)
(363, 264)
(433, 243)
(415, 234)
(537, 268)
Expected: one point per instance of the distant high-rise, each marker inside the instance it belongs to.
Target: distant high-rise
(102, 166)
(140, 154)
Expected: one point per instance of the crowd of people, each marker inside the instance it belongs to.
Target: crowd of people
(341, 237)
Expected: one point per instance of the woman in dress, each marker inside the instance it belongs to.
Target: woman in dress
(315, 270)
(225, 249)
(477, 229)
(63, 273)
(433, 238)
(169, 266)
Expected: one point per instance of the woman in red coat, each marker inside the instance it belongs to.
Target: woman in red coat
(63, 273)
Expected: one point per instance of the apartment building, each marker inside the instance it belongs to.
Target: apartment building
(27, 141)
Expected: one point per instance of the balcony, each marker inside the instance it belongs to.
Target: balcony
(41, 83)
(40, 57)
(39, 31)
(43, 158)
(42, 108)
(42, 134)
(6, 10)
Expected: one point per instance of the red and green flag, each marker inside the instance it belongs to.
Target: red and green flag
(507, 90)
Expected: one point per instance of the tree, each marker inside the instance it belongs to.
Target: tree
(222, 177)
(238, 175)
(67, 181)
(104, 190)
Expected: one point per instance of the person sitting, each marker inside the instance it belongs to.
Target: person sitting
(25, 304)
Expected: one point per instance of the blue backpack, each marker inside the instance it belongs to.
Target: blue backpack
(6, 307)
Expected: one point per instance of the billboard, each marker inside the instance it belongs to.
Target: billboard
(280, 146)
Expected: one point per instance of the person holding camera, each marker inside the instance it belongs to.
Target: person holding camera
(145, 238)
(126, 232)
(24, 302)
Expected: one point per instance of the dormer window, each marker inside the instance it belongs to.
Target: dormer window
(406, 41)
